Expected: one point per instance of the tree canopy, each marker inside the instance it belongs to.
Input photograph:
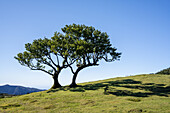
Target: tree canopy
(96, 47)
(79, 44)
(48, 55)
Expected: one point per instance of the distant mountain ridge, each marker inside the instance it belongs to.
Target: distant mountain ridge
(17, 90)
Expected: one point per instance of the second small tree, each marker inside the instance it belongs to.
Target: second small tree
(48, 55)
(91, 46)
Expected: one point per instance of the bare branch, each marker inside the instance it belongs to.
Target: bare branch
(58, 60)
(84, 66)
(52, 60)
(71, 69)
(88, 60)
(84, 60)
(107, 60)
(69, 65)
(96, 58)
(43, 71)
(47, 63)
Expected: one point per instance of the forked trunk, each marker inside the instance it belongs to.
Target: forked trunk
(73, 84)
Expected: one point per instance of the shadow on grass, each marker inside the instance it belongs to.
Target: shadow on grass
(5, 95)
(10, 106)
(113, 87)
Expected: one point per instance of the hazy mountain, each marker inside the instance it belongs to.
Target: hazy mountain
(17, 90)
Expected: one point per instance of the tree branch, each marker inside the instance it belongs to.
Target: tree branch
(96, 58)
(52, 61)
(43, 71)
(47, 63)
(71, 69)
(107, 60)
(69, 65)
(58, 60)
(84, 66)
(88, 60)
(63, 64)
(84, 60)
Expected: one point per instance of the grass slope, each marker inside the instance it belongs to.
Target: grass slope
(133, 94)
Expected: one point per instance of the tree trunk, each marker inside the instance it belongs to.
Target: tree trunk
(73, 84)
(55, 78)
(56, 83)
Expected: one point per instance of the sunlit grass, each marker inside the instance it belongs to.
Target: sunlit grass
(133, 94)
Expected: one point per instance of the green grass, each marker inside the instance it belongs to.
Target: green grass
(133, 94)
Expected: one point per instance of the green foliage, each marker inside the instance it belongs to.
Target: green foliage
(92, 45)
(79, 43)
(164, 71)
(38, 55)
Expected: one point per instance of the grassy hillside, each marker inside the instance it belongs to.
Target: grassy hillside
(133, 94)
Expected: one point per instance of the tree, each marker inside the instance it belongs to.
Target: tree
(164, 71)
(48, 55)
(91, 46)
(79, 43)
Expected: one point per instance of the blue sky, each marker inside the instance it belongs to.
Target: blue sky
(140, 29)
